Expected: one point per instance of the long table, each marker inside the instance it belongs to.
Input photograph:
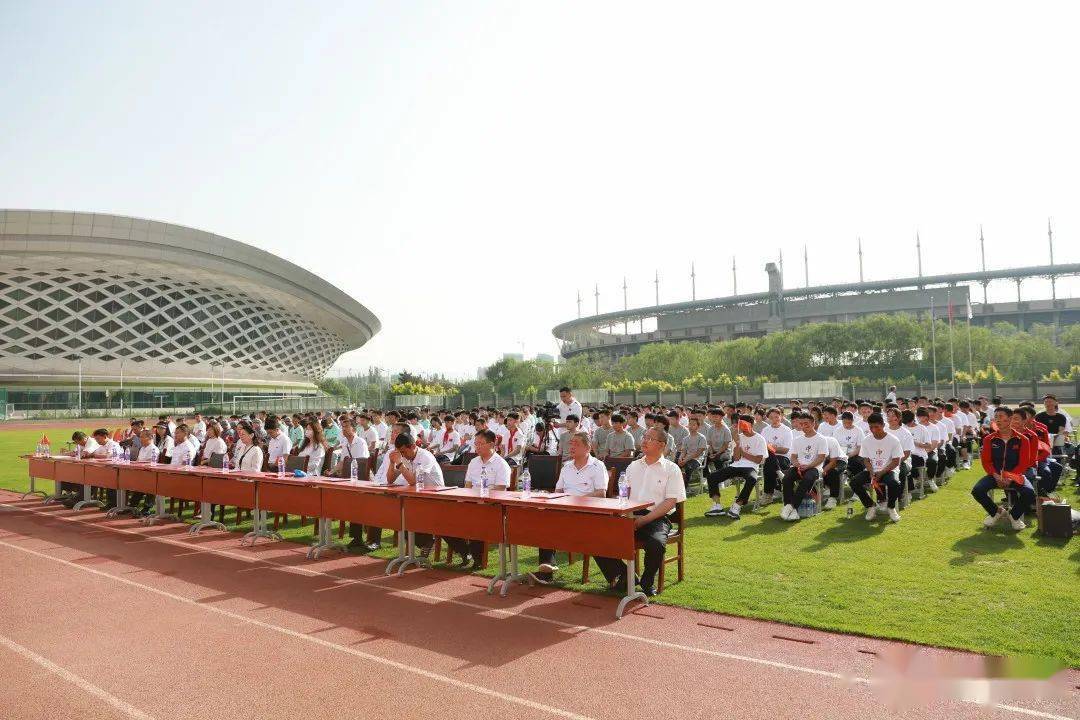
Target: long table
(586, 525)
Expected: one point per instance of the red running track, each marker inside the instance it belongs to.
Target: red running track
(109, 619)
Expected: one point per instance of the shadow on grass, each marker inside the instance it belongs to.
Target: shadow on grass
(984, 542)
(767, 526)
(850, 530)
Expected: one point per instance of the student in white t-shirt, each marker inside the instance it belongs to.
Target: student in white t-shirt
(882, 455)
(808, 453)
(907, 444)
(833, 471)
(750, 451)
(778, 441)
(829, 422)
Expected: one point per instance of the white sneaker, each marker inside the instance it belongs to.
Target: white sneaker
(992, 520)
(793, 513)
(949, 472)
(785, 512)
(734, 511)
(894, 515)
(1017, 523)
(871, 512)
(715, 511)
(830, 504)
(931, 486)
(882, 507)
(548, 568)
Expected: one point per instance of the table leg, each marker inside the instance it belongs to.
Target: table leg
(57, 494)
(159, 514)
(631, 591)
(326, 540)
(260, 528)
(411, 557)
(121, 505)
(402, 554)
(502, 574)
(34, 491)
(513, 576)
(206, 520)
(87, 500)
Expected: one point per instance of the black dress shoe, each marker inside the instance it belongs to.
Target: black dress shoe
(648, 590)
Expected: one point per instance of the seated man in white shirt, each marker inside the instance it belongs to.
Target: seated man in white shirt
(369, 540)
(84, 447)
(183, 450)
(487, 467)
(278, 445)
(656, 480)
(107, 448)
(581, 475)
(408, 464)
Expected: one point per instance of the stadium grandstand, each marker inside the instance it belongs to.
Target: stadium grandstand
(102, 311)
(757, 314)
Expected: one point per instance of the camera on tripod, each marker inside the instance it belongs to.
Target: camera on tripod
(547, 412)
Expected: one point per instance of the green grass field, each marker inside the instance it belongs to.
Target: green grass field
(936, 577)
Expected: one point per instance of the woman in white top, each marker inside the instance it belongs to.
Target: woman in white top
(314, 448)
(163, 439)
(214, 444)
(147, 450)
(247, 455)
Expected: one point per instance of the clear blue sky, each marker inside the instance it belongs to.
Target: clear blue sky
(464, 168)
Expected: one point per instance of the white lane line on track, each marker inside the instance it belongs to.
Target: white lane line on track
(82, 684)
(578, 629)
(453, 682)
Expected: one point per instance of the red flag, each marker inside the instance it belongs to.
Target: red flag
(950, 309)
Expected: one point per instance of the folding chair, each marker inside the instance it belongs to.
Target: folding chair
(920, 481)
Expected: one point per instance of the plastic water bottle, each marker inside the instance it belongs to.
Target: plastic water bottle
(46, 449)
(483, 482)
(280, 467)
(153, 459)
(353, 473)
(624, 488)
(526, 484)
(78, 452)
(38, 451)
(225, 463)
